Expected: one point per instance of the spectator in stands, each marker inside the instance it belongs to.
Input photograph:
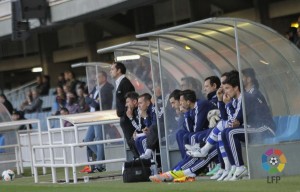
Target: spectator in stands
(61, 80)
(43, 85)
(71, 103)
(83, 106)
(19, 115)
(71, 81)
(66, 89)
(60, 100)
(27, 100)
(65, 111)
(6, 103)
(35, 105)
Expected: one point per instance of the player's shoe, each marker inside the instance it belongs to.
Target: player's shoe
(223, 176)
(97, 170)
(217, 175)
(230, 174)
(192, 147)
(145, 156)
(163, 177)
(86, 169)
(197, 154)
(167, 176)
(239, 173)
(184, 179)
(214, 170)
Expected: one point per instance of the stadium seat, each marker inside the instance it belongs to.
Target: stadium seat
(288, 129)
(292, 131)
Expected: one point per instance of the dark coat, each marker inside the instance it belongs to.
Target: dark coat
(124, 87)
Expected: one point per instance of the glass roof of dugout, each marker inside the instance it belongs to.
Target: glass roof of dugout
(217, 45)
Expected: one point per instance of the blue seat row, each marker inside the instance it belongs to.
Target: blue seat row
(288, 129)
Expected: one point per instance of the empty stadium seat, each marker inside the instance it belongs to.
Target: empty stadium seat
(288, 129)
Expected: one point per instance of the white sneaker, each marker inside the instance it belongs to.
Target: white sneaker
(239, 173)
(195, 147)
(217, 175)
(224, 174)
(196, 154)
(230, 174)
(145, 156)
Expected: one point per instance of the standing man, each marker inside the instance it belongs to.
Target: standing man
(102, 94)
(123, 86)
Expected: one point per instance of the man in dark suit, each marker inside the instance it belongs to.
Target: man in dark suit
(123, 86)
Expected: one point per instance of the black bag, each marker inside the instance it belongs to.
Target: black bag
(137, 171)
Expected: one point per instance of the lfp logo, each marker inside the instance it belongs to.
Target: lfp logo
(273, 161)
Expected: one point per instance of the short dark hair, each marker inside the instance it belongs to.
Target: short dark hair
(132, 95)
(146, 96)
(175, 94)
(120, 66)
(233, 79)
(189, 95)
(249, 72)
(214, 80)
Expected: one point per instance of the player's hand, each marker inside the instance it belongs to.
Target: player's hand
(235, 124)
(226, 98)
(220, 94)
(134, 135)
(146, 130)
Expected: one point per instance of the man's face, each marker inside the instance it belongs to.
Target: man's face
(15, 117)
(63, 112)
(174, 103)
(184, 85)
(114, 72)
(223, 78)
(184, 103)
(34, 94)
(246, 81)
(142, 104)
(231, 91)
(208, 88)
(101, 78)
(131, 103)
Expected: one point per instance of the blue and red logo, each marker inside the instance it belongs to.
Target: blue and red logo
(273, 161)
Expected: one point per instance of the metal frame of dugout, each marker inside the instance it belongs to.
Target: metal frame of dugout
(78, 120)
(217, 45)
(13, 126)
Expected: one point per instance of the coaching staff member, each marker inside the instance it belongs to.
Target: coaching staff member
(123, 86)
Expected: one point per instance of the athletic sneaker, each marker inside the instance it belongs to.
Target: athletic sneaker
(214, 170)
(218, 174)
(86, 169)
(95, 170)
(223, 176)
(184, 179)
(239, 173)
(163, 177)
(167, 176)
(192, 147)
(230, 174)
(145, 156)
